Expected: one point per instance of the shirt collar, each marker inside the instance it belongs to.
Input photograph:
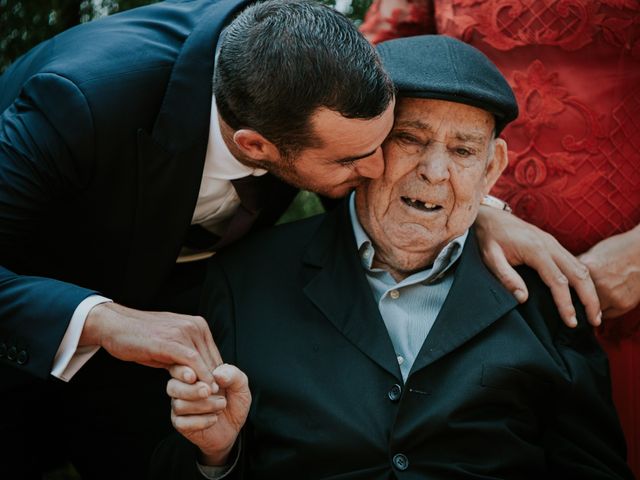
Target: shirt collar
(220, 163)
(443, 262)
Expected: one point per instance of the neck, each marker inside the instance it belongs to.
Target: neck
(403, 265)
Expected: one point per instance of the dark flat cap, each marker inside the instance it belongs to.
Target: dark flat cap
(443, 68)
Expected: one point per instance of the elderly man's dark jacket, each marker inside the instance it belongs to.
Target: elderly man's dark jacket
(498, 391)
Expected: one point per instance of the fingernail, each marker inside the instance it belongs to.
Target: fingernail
(520, 295)
(214, 388)
(573, 321)
(188, 377)
(599, 319)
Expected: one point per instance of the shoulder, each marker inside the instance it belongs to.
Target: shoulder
(540, 311)
(141, 42)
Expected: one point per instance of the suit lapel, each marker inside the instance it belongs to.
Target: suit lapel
(336, 284)
(476, 300)
(186, 106)
(171, 158)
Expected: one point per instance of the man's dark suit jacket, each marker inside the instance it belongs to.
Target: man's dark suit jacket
(498, 391)
(103, 135)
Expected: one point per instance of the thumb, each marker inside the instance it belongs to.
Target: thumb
(231, 378)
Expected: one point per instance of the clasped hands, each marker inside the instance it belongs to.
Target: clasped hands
(210, 399)
(210, 415)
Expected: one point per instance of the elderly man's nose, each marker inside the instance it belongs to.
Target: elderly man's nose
(434, 168)
(372, 166)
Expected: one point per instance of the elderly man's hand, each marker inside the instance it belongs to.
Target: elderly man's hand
(507, 241)
(156, 339)
(210, 416)
(614, 264)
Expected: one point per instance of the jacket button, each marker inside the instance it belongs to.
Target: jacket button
(400, 461)
(3, 350)
(12, 353)
(395, 393)
(23, 357)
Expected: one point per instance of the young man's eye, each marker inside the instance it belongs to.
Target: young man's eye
(348, 163)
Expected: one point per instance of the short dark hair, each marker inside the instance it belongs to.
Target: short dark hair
(281, 60)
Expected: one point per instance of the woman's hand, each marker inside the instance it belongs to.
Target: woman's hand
(506, 241)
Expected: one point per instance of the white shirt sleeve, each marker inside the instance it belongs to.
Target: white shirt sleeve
(70, 358)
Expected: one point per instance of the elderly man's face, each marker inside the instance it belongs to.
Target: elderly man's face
(440, 159)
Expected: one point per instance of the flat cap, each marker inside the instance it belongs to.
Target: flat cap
(443, 68)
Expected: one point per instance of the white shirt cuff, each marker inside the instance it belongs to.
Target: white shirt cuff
(70, 358)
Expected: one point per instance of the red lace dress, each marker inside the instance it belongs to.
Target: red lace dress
(574, 151)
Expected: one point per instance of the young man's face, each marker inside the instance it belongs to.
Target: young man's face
(350, 151)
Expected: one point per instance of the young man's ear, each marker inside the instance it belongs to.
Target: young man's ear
(255, 146)
(496, 164)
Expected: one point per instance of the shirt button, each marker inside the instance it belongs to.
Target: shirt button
(400, 359)
(395, 294)
(400, 461)
(395, 393)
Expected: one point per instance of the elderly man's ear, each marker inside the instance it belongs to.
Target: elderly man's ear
(496, 164)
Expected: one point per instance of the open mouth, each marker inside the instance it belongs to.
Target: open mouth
(420, 205)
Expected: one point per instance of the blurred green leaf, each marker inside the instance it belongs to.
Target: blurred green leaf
(25, 23)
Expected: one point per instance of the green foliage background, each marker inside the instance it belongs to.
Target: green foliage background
(25, 23)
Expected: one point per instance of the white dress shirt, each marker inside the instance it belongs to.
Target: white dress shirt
(217, 201)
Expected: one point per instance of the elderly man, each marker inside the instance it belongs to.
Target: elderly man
(381, 346)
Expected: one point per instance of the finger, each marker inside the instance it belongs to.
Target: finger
(213, 404)
(558, 283)
(187, 375)
(581, 281)
(496, 261)
(193, 423)
(213, 348)
(191, 358)
(231, 378)
(183, 373)
(200, 335)
(179, 389)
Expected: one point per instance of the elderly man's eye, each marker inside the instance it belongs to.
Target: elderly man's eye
(407, 139)
(463, 152)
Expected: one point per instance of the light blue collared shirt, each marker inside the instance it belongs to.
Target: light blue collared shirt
(409, 308)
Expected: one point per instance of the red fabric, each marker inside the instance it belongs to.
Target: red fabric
(574, 151)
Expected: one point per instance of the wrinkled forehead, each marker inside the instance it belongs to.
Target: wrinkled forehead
(434, 115)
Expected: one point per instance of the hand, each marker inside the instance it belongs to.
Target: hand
(210, 416)
(507, 241)
(614, 264)
(155, 339)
